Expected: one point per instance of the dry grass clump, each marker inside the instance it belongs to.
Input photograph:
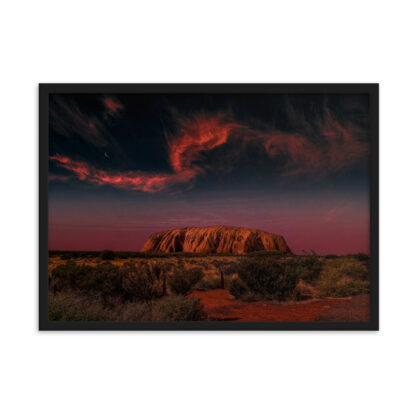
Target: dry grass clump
(304, 290)
(72, 306)
(343, 276)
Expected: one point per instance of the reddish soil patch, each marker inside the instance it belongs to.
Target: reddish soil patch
(355, 310)
(221, 306)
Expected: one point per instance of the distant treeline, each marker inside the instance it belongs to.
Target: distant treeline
(110, 255)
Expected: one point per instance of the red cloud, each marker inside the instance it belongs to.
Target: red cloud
(196, 135)
(112, 105)
(130, 180)
(336, 148)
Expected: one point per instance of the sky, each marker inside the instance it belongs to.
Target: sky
(124, 166)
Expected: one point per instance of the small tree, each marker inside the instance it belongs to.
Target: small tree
(182, 281)
(141, 282)
(268, 278)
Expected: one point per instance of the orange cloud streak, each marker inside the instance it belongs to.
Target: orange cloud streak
(196, 135)
(337, 148)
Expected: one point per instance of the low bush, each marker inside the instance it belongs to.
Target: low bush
(71, 306)
(105, 279)
(182, 281)
(231, 268)
(306, 268)
(304, 291)
(70, 276)
(268, 278)
(238, 288)
(134, 312)
(345, 276)
(68, 306)
(141, 281)
(178, 308)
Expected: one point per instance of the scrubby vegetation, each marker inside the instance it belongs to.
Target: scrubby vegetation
(71, 306)
(142, 281)
(344, 276)
(131, 292)
(158, 288)
(182, 280)
(266, 278)
(299, 278)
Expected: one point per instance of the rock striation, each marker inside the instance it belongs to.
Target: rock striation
(215, 239)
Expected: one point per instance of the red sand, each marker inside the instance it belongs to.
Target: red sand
(220, 305)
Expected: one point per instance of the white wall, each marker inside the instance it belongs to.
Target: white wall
(206, 373)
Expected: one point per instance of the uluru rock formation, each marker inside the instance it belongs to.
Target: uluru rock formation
(215, 239)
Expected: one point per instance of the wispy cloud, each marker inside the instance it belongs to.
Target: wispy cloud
(112, 106)
(335, 213)
(197, 134)
(333, 148)
(68, 120)
(320, 150)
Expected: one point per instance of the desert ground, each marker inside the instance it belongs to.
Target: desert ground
(261, 286)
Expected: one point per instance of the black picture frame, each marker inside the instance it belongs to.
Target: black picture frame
(371, 89)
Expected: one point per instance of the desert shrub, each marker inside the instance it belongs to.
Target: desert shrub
(66, 256)
(304, 291)
(306, 268)
(182, 281)
(231, 268)
(70, 275)
(260, 275)
(105, 279)
(238, 288)
(141, 281)
(70, 306)
(178, 308)
(344, 276)
(134, 311)
(107, 255)
(268, 278)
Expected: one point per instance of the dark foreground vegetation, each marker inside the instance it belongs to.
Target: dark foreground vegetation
(269, 278)
(132, 292)
(156, 288)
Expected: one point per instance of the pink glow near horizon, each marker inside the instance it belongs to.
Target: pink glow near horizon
(325, 229)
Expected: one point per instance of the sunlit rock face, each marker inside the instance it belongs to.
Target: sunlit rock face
(215, 239)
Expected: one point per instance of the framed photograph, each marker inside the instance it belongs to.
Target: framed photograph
(208, 207)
